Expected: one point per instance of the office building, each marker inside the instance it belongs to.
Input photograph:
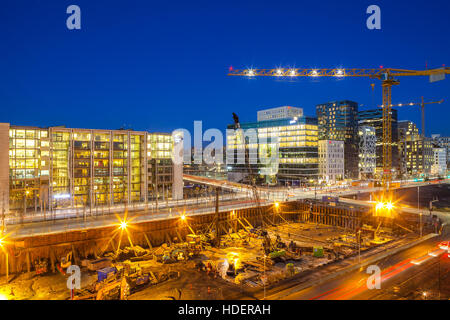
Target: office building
(283, 151)
(338, 121)
(367, 152)
(331, 160)
(416, 152)
(58, 167)
(374, 118)
(439, 167)
(285, 112)
(443, 142)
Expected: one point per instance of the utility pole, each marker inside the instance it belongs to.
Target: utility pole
(3, 213)
(217, 218)
(418, 208)
(439, 276)
(359, 246)
(264, 277)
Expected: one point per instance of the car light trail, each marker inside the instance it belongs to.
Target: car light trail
(347, 291)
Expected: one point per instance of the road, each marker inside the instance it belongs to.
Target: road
(76, 219)
(110, 219)
(401, 273)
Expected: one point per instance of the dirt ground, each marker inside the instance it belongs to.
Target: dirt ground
(192, 283)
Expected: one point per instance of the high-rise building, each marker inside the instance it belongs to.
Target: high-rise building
(58, 167)
(280, 151)
(416, 152)
(374, 118)
(367, 152)
(279, 113)
(331, 160)
(338, 121)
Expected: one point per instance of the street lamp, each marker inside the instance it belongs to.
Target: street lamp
(264, 283)
(123, 225)
(418, 209)
(359, 246)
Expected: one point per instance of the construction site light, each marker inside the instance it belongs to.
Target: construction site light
(389, 206)
(123, 225)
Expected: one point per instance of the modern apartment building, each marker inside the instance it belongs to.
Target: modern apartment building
(367, 152)
(331, 160)
(338, 121)
(416, 152)
(58, 167)
(289, 147)
(374, 118)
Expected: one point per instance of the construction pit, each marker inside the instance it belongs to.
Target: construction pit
(183, 258)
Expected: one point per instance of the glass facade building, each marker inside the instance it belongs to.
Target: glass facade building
(416, 152)
(58, 167)
(338, 121)
(374, 118)
(289, 147)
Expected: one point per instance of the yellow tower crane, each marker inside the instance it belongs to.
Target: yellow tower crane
(387, 76)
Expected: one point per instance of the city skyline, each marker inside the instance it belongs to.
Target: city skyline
(76, 75)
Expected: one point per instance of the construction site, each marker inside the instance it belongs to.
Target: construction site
(226, 255)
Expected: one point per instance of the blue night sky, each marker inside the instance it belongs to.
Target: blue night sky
(160, 65)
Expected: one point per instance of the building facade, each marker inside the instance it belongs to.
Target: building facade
(279, 113)
(58, 167)
(284, 151)
(374, 118)
(367, 152)
(439, 167)
(416, 152)
(331, 160)
(338, 121)
(443, 142)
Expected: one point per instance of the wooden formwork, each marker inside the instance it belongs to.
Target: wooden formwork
(93, 242)
(337, 215)
(22, 252)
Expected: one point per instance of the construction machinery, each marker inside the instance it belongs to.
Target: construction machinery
(251, 175)
(105, 290)
(41, 266)
(388, 78)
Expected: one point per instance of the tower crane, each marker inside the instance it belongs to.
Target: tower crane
(387, 76)
(422, 106)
